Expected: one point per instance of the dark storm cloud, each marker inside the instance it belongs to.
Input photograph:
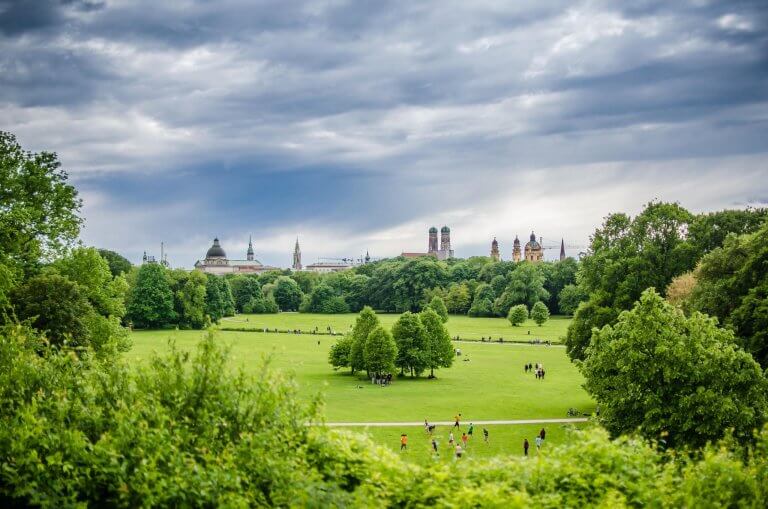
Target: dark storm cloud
(366, 119)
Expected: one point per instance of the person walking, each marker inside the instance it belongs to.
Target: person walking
(471, 430)
(434, 446)
(538, 444)
(543, 434)
(450, 438)
(464, 439)
(526, 445)
(485, 435)
(403, 442)
(459, 452)
(457, 418)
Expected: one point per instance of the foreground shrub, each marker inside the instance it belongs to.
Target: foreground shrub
(184, 430)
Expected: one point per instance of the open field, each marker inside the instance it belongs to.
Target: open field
(486, 383)
(458, 325)
(503, 439)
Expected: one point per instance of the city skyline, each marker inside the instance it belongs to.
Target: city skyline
(354, 125)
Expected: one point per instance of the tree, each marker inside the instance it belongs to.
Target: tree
(380, 351)
(38, 208)
(498, 284)
(732, 284)
(438, 306)
(215, 305)
(526, 286)
(339, 355)
(592, 316)
(680, 289)
(55, 306)
(366, 321)
(437, 340)
(118, 265)
(324, 299)
(539, 313)
(481, 307)
(415, 276)
(150, 302)
(287, 294)
(626, 256)
(569, 299)
(408, 334)
(517, 314)
(87, 268)
(681, 380)
(558, 275)
(458, 299)
(190, 292)
(244, 288)
(708, 231)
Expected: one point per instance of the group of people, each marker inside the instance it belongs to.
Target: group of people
(457, 446)
(539, 342)
(538, 370)
(382, 379)
(539, 442)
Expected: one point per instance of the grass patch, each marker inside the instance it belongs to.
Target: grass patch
(491, 385)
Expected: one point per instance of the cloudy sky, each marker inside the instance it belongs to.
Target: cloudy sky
(357, 125)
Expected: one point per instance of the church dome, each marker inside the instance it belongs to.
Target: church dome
(216, 251)
(445, 229)
(433, 230)
(532, 244)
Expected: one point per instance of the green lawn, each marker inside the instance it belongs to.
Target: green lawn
(458, 325)
(491, 384)
(503, 439)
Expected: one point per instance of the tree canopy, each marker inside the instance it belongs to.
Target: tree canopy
(677, 379)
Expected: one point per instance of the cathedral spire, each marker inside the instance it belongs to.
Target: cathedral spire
(249, 254)
(562, 249)
(296, 256)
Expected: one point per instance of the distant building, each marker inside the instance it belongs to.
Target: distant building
(216, 262)
(495, 256)
(516, 252)
(296, 256)
(562, 249)
(445, 252)
(533, 250)
(326, 267)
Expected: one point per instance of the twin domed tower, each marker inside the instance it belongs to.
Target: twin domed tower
(445, 250)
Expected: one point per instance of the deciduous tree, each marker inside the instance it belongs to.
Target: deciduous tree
(678, 379)
(380, 351)
(409, 336)
(440, 352)
(517, 314)
(539, 313)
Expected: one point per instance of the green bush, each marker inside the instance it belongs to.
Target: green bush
(517, 314)
(185, 430)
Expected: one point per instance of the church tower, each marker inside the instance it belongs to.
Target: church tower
(516, 254)
(495, 250)
(432, 240)
(296, 256)
(445, 239)
(249, 253)
(562, 249)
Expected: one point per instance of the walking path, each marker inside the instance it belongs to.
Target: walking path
(450, 423)
(507, 342)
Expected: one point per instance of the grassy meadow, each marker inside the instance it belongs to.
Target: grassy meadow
(486, 382)
(502, 439)
(465, 327)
